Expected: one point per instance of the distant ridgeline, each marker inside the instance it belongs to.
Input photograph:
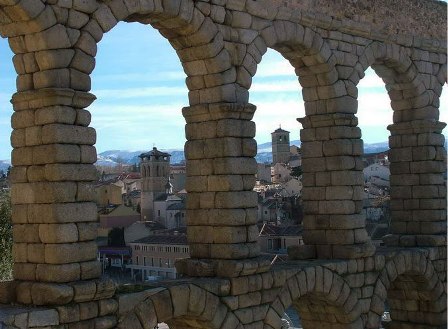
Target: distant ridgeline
(4, 164)
(264, 155)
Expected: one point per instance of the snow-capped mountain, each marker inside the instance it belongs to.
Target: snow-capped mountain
(4, 164)
(264, 155)
(114, 157)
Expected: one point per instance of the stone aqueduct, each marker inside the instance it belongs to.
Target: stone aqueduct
(338, 279)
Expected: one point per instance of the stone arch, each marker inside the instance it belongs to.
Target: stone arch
(402, 79)
(321, 297)
(180, 306)
(54, 65)
(331, 144)
(416, 143)
(415, 293)
(197, 41)
(194, 36)
(304, 48)
(213, 92)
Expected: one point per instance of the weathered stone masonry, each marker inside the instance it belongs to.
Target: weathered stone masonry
(338, 279)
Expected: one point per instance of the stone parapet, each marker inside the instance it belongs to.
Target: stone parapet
(344, 293)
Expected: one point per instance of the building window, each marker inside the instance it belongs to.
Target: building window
(158, 213)
(144, 261)
(136, 260)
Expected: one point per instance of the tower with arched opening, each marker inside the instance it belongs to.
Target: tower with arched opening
(280, 146)
(155, 171)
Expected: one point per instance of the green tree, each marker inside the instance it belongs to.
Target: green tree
(5, 237)
(296, 172)
(116, 237)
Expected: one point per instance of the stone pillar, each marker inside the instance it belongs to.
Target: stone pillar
(418, 189)
(221, 204)
(334, 224)
(53, 213)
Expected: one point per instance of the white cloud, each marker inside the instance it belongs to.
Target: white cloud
(124, 93)
(374, 109)
(126, 116)
(269, 115)
(140, 77)
(371, 80)
(276, 86)
(275, 68)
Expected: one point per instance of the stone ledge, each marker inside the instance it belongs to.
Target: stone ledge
(219, 111)
(414, 240)
(304, 252)
(45, 97)
(222, 267)
(39, 293)
(25, 317)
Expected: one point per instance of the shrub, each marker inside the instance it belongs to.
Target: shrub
(5, 237)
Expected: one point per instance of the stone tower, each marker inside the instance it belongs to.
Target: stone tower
(155, 170)
(280, 146)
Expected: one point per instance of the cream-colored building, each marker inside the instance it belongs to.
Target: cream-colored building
(275, 239)
(120, 217)
(377, 174)
(280, 173)
(293, 187)
(154, 255)
(108, 194)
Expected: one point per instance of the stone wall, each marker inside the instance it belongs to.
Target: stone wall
(402, 17)
(326, 294)
(228, 284)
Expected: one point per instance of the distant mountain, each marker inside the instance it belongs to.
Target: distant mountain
(113, 157)
(4, 164)
(264, 155)
(376, 147)
(267, 147)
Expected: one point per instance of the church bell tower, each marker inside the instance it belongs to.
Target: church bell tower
(155, 171)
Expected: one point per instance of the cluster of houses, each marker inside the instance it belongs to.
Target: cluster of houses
(142, 214)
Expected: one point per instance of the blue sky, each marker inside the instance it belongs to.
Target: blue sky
(140, 87)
